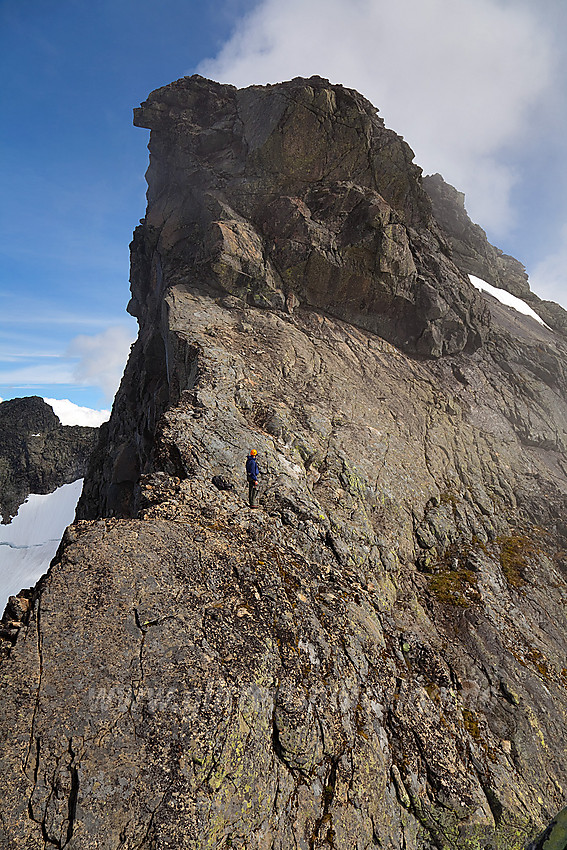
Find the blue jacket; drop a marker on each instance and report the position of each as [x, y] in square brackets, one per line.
[252, 471]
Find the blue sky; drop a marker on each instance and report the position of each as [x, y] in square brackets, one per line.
[478, 89]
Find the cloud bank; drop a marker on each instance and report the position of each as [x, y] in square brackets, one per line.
[73, 414]
[36, 375]
[95, 361]
[101, 358]
[460, 80]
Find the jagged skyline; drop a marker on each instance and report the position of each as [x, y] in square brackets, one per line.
[73, 164]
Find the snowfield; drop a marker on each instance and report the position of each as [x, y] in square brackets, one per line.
[30, 541]
[506, 298]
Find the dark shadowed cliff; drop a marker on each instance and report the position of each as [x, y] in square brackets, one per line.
[376, 657]
[38, 453]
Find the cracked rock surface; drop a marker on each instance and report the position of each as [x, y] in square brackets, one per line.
[375, 658]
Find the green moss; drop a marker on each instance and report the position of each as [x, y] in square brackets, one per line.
[539, 661]
[455, 587]
[555, 834]
[515, 554]
[532, 657]
[351, 481]
[446, 829]
[471, 724]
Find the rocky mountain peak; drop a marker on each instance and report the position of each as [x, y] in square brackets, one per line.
[375, 656]
[38, 453]
[473, 253]
[297, 194]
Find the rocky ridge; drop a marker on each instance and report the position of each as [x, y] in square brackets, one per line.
[473, 253]
[376, 657]
[38, 453]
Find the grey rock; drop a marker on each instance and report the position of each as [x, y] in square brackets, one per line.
[374, 657]
[473, 253]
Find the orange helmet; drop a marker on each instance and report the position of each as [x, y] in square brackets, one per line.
[253, 452]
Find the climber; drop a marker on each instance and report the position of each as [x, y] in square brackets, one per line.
[252, 473]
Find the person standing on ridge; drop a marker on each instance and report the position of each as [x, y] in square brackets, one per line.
[252, 474]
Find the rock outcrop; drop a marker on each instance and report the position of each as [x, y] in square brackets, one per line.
[375, 657]
[473, 253]
[38, 453]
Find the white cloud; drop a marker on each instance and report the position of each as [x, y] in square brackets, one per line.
[32, 311]
[459, 80]
[72, 414]
[96, 361]
[101, 358]
[16, 357]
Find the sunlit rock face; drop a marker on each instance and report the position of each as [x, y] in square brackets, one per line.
[298, 193]
[376, 656]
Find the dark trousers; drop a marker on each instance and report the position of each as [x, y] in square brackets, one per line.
[252, 493]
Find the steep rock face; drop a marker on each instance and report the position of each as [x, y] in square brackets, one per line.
[260, 208]
[283, 196]
[37, 453]
[473, 253]
[375, 657]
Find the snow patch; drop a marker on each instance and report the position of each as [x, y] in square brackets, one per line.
[29, 543]
[506, 298]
